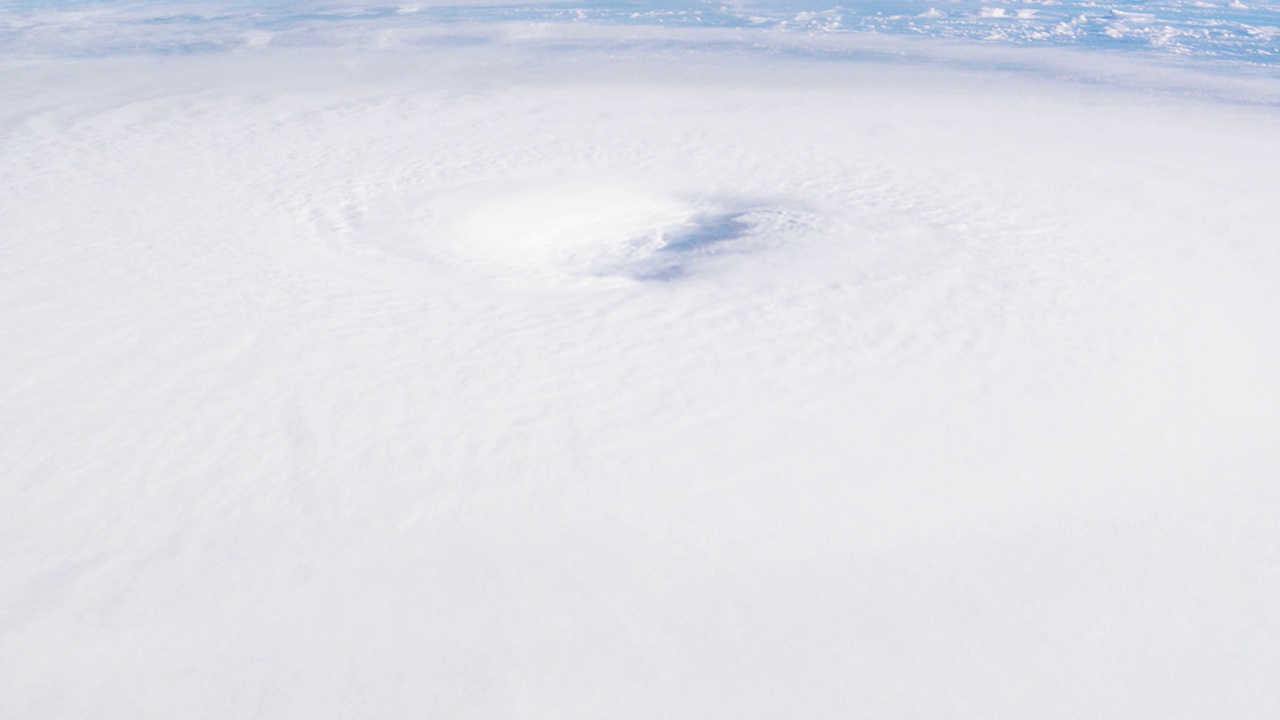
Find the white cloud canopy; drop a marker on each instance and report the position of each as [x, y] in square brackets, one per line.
[636, 360]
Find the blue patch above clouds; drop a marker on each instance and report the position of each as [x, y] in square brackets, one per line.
[1239, 31]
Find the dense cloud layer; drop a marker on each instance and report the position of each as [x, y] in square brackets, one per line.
[555, 369]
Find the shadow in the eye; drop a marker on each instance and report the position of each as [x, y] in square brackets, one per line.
[685, 245]
[707, 231]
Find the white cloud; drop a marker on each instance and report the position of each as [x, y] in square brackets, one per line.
[396, 366]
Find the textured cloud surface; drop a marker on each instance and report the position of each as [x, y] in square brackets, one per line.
[380, 362]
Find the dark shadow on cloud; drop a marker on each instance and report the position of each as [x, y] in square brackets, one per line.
[705, 235]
